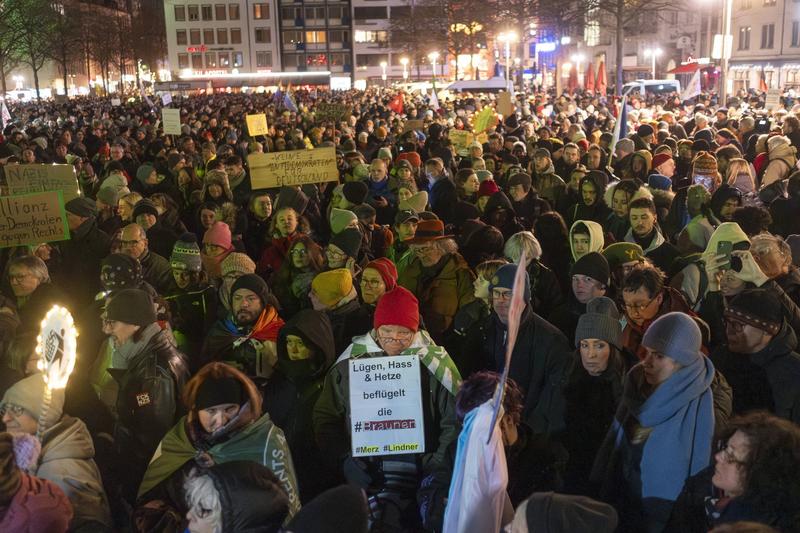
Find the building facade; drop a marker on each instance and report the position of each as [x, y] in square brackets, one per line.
[316, 35]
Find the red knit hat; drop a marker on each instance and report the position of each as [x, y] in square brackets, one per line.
[488, 188]
[386, 269]
[397, 307]
[411, 157]
[660, 159]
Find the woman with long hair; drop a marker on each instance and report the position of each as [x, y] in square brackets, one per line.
[292, 282]
[740, 175]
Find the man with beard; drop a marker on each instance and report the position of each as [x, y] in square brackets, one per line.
[246, 338]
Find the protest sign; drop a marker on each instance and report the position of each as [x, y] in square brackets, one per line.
[504, 105]
[461, 138]
[257, 124]
[773, 99]
[166, 98]
[485, 119]
[172, 121]
[26, 179]
[116, 102]
[32, 219]
[414, 125]
[331, 112]
[294, 167]
[386, 406]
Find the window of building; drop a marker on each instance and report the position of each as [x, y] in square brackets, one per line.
[796, 33]
[224, 60]
[238, 60]
[335, 12]
[208, 36]
[363, 13]
[194, 37]
[263, 59]
[291, 13]
[260, 11]
[236, 36]
[220, 11]
[293, 60]
[315, 13]
[767, 35]
[403, 11]
[207, 12]
[183, 61]
[380, 36]
[292, 37]
[197, 61]
[222, 36]
[315, 37]
[211, 59]
[263, 35]
[339, 36]
[316, 60]
[371, 60]
[181, 36]
[194, 12]
[744, 37]
[233, 11]
[180, 13]
[339, 59]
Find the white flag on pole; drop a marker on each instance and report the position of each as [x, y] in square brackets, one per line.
[693, 87]
[434, 101]
[5, 116]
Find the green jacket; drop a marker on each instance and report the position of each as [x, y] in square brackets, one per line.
[261, 442]
[439, 384]
[441, 294]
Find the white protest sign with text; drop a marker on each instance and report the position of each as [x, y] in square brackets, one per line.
[172, 121]
[26, 179]
[386, 406]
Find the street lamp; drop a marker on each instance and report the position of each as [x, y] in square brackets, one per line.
[383, 72]
[653, 53]
[433, 56]
[404, 62]
[507, 38]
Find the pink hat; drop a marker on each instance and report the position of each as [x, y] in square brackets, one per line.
[219, 234]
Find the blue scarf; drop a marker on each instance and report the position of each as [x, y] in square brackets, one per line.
[680, 413]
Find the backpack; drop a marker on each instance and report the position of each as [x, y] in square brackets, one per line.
[676, 276]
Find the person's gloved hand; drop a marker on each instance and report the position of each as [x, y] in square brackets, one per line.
[750, 270]
[355, 472]
[713, 263]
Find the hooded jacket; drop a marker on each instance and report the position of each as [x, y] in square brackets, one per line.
[67, 460]
[596, 239]
[551, 187]
[598, 211]
[782, 161]
[498, 201]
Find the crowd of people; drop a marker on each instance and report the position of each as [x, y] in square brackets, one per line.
[654, 383]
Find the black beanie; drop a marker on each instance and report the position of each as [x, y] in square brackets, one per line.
[520, 179]
[349, 241]
[82, 207]
[217, 391]
[355, 192]
[252, 282]
[131, 306]
[645, 130]
[120, 271]
[593, 265]
[759, 308]
[144, 207]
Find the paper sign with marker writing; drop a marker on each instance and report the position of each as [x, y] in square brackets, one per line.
[32, 219]
[26, 179]
[414, 125]
[386, 406]
[172, 121]
[461, 138]
[116, 102]
[257, 124]
[294, 167]
[166, 98]
[504, 105]
[773, 99]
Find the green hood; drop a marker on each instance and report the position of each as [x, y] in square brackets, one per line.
[596, 239]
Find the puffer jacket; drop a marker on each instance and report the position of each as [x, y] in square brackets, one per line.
[551, 187]
[782, 161]
[440, 295]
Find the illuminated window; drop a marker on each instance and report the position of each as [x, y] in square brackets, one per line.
[238, 60]
[379, 37]
[233, 11]
[224, 60]
[292, 37]
[315, 37]
[211, 59]
[260, 11]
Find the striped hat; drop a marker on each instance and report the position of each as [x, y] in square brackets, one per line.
[186, 254]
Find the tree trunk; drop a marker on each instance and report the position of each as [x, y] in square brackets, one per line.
[3, 78]
[64, 66]
[36, 81]
[620, 42]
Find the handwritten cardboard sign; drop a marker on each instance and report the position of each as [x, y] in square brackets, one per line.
[461, 138]
[171, 118]
[504, 104]
[294, 167]
[25, 179]
[329, 111]
[32, 219]
[414, 124]
[386, 406]
[257, 124]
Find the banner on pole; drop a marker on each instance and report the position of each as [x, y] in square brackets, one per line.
[27, 179]
[32, 219]
[386, 406]
[293, 167]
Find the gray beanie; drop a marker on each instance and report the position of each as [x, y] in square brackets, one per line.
[601, 321]
[677, 336]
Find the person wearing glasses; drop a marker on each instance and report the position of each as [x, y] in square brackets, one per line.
[759, 358]
[390, 481]
[32, 293]
[645, 297]
[664, 426]
[755, 478]
[155, 268]
[292, 283]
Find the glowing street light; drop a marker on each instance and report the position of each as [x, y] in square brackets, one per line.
[653, 53]
[383, 71]
[433, 56]
[404, 62]
[507, 38]
[18, 81]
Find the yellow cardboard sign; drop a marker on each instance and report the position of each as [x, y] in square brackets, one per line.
[485, 119]
[257, 124]
[32, 219]
[294, 167]
[504, 105]
[26, 179]
[461, 138]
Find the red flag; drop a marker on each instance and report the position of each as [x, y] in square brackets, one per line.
[762, 82]
[602, 81]
[588, 78]
[572, 84]
[396, 104]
